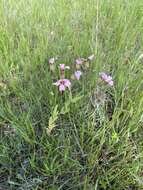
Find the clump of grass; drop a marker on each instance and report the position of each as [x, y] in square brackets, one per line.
[94, 138]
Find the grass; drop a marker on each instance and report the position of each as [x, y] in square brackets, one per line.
[90, 139]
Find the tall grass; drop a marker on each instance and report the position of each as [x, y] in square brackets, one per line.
[96, 136]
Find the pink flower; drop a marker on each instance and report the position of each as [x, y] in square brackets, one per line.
[107, 78]
[77, 74]
[63, 84]
[63, 67]
[79, 61]
[111, 83]
[91, 57]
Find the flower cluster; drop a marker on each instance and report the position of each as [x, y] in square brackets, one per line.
[107, 78]
[80, 63]
[63, 83]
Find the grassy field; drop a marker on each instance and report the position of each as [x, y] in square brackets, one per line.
[91, 136]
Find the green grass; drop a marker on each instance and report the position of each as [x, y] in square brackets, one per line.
[90, 147]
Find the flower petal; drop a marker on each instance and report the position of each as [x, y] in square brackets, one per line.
[67, 83]
[106, 78]
[140, 57]
[62, 66]
[111, 83]
[67, 67]
[79, 61]
[91, 57]
[57, 83]
[52, 60]
[61, 87]
[77, 74]
[103, 76]
[109, 78]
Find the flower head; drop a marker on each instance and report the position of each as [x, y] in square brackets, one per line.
[79, 61]
[77, 74]
[63, 67]
[52, 60]
[107, 78]
[63, 84]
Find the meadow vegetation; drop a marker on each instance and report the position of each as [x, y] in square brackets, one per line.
[87, 137]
